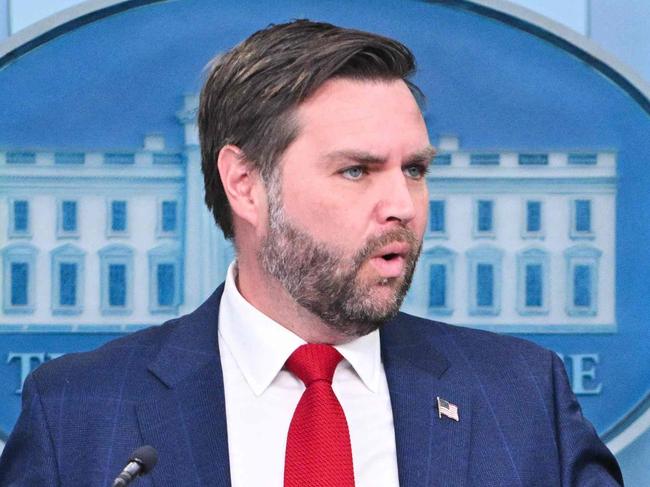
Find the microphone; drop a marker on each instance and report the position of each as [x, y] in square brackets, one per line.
[141, 462]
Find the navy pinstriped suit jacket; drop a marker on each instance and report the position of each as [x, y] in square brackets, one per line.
[520, 424]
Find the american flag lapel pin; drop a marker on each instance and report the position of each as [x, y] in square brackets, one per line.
[445, 408]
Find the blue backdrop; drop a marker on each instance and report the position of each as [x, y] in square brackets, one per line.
[107, 80]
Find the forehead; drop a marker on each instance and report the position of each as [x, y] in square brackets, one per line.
[346, 114]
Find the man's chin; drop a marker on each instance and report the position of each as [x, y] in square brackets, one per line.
[380, 304]
[367, 323]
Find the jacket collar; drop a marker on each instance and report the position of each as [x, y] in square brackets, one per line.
[186, 421]
[190, 343]
[431, 449]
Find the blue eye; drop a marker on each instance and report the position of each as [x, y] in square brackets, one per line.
[353, 172]
[415, 171]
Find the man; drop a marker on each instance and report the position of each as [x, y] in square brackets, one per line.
[314, 156]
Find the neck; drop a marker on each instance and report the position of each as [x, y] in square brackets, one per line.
[266, 294]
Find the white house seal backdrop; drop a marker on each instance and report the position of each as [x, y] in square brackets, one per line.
[539, 196]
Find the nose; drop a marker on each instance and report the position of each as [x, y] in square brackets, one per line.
[396, 203]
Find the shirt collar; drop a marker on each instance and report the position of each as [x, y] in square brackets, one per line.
[261, 346]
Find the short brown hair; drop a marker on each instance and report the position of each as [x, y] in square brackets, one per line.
[252, 91]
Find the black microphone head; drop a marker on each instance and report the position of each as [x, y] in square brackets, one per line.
[146, 456]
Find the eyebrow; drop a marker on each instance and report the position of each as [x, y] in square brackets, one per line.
[422, 156]
[362, 157]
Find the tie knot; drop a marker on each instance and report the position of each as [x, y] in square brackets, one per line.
[314, 361]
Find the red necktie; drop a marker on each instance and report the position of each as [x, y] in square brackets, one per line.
[318, 445]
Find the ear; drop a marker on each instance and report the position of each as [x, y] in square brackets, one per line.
[242, 184]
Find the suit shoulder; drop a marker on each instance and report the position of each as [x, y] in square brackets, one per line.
[137, 348]
[478, 345]
[127, 360]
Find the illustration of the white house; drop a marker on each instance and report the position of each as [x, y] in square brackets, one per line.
[117, 239]
[519, 241]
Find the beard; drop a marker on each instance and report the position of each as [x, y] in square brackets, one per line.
[322, 280]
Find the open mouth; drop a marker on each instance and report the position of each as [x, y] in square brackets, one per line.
[393, 251]
[390, 256]
[391, 262]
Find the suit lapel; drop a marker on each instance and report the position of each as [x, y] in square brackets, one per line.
[431, 451]
[186, 419]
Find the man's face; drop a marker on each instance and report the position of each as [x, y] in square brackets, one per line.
[347, 209]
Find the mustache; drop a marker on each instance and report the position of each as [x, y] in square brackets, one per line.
[396, 235]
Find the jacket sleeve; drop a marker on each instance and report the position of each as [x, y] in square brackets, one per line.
[28, 458]
[585, 460]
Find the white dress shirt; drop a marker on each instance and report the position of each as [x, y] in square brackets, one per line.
[261, 397]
